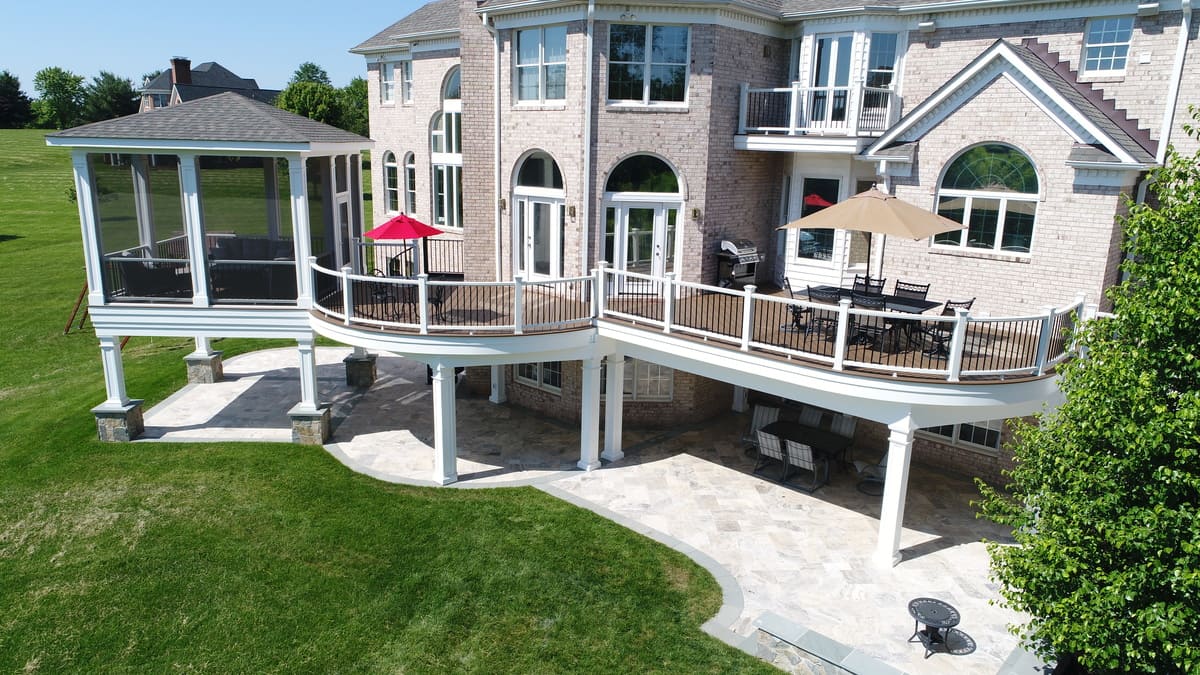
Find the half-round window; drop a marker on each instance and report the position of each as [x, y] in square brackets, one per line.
[993, 190]
[452, 90]
[541, 171]
[643, 173]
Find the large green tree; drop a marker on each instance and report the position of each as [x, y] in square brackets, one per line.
[60, 97]
[310, 72]
[15, 111]
[354, 107]
[1105, 494]
[109, 96]
[320, 102]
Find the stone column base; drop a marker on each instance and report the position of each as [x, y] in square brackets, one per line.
[310, 426]
[119, 423]
[360, 371]
[204, 368]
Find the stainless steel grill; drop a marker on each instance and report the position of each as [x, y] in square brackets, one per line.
[737, 263]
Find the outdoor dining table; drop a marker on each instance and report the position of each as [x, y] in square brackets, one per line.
[894, 303]
[824, 441]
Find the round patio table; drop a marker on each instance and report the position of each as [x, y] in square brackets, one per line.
[937, 616]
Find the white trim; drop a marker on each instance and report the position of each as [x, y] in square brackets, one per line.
[998, 60]
[173, 146]
[648, 63]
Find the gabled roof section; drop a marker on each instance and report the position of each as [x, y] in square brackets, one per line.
[1088, 123]
[207, 74]
[192, 92]
[439, 16]
[228, 117]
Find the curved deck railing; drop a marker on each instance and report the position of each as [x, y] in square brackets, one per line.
[952, 348]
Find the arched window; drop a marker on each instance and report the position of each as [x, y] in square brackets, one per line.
[410, 183]
[452, 89]
[539, 213]
[642, 202]
[445, 144]
[391, 183]
[993, 190]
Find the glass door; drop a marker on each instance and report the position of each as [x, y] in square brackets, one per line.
[830, 80]
[641, 238]
[538, 233]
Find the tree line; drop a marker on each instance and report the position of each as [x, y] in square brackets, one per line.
[65, 99]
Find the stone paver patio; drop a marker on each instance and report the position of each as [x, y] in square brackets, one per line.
[803, 557]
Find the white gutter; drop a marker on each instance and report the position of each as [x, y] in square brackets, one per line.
[499, 217]
[1164, 134]
[586, 205]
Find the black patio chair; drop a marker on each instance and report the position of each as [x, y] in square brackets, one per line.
[905, 289]
[865, 284]
[801, 456]
[942, 332]
[799, 313]
[867, 330]
[827, 318]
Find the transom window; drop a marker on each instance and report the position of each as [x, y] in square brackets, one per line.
[642, 173]
[975, 435]
[1106, 46]
[546, 375]
[647, 64]
[391, 183]
[993, 190]
[542, 64]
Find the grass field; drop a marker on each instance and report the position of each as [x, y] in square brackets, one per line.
[270, 557]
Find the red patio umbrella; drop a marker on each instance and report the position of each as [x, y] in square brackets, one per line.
[403, 228]
[816, 200]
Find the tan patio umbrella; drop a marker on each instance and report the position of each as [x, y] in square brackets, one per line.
[880, 213]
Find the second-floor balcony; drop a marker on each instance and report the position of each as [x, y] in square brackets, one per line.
[797, 110]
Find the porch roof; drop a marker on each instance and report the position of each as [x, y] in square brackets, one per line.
[227, 121]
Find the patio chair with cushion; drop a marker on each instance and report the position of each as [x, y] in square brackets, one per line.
[826, 319]
[770, 448]
[811, 416]
[802, 456]
[760, 416]
[940, 333]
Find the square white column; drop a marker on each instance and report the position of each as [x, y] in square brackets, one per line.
[445, 440]
[614, 407]
[589, 417]
[895, 492]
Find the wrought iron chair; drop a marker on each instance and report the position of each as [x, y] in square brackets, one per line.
[802, 456]
[823, 317]
[865, 284]
[941, 332]
[799, 314]
[867, 330]
[905, 289]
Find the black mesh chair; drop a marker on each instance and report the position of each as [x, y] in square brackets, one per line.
[942, 332]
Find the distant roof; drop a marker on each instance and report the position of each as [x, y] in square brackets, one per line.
[435, 17]
[192, 92]
[226, 117]
[207, 74]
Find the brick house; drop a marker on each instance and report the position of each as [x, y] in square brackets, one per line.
[181, 82]
[758, 107]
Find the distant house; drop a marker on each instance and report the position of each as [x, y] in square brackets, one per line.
[181, 83]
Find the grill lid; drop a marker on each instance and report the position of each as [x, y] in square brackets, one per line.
[742, 250]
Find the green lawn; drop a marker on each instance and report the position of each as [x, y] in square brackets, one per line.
[269, 557]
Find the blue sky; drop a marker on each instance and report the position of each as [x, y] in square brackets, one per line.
[262, 39]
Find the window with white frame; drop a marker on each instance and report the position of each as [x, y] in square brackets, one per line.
[647, 64]
[406, 82]
[410, 183]
[1106, 45]
[541, 64]
[546, 375]
[644, 381]
[391, 183]
[445, 142]
[992, 189]
[387, 83]
[973, 435]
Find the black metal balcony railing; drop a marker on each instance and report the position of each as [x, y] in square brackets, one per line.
[951, 348]
[829, 111]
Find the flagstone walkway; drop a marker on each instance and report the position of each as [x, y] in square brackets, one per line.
[804, 558]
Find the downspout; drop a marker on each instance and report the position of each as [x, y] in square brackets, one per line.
[1185, 29]
[498, 216]
[586, 206]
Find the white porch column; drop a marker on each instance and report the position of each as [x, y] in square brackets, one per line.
[310, 419]
[308, 374]
[589, 417]
[741, 399]
[114, 373]
[143, 203]
[85, 200]
[193, 226]
[498, 395]
[204, 365]
[895, 492]
[445, 439]
[298, 191]
[614, 407]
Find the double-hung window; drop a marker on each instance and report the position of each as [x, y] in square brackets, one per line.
[546, 375]
[387, 83]
[406, 83]
[647, 64]
[1106, 46]
[410, 183]
[983, 435]
[542, 64]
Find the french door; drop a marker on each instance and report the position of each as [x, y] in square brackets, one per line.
[538, 237]
[830, 92]
[640, 238]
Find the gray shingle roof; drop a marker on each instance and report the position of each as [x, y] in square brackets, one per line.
[437, 16]
[207, 74]
[191, 92]
[228, 117]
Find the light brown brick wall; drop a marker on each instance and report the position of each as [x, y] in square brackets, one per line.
[871, 441]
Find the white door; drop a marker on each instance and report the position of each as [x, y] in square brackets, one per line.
[830, 95]
[538, 233]
[641, 238]
[341, 211]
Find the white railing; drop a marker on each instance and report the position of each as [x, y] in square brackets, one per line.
[831, 111]
[951, 348]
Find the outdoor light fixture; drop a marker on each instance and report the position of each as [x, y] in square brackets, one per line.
[503, 204]
[571, 211]
[1147, 8]
[695, 213]
[927, 26]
